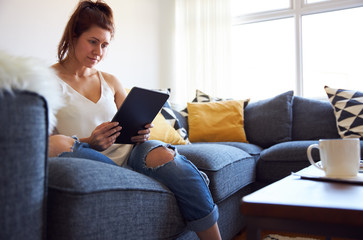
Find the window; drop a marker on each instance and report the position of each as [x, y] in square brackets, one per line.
[296, 44]
[263, 60]
[241, 7]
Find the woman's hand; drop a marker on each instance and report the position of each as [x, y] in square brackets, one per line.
[103, 136]
[143, 135]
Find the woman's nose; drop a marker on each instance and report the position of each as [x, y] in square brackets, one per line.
[97, 50]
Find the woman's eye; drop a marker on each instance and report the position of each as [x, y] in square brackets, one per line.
[104, 45]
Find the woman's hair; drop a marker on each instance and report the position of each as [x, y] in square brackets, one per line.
[87, 14]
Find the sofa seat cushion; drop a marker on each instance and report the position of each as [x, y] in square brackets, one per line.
[280, 160]
[251, 149]
[93, 200]
[228, 168]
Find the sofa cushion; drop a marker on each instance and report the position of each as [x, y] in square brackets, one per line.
[93, 200]
[348, 109]
[228, 168]
[251, 149]
[165, 132]
[269, 121]
[312, 120]
[280, 160]
[217, 121]
[172, 119]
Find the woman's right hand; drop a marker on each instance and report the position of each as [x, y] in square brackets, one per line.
[103, 136]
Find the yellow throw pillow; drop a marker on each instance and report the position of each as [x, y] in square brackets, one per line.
[164, 132]
[217, 121]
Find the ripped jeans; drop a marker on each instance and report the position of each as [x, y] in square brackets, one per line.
[183, 178]
[83, 150]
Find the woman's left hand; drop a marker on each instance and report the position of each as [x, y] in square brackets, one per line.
[143, 135]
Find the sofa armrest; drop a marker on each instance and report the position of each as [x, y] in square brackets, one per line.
[23, 168]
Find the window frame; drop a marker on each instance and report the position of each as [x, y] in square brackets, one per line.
[297, 9]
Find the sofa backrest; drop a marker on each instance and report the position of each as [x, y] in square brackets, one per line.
[313, 119]
[268, 121]
[23, 165]
[285, 118]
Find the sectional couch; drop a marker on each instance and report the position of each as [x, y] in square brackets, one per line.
[62, 198]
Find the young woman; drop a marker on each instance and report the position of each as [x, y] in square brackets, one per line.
[93, 97]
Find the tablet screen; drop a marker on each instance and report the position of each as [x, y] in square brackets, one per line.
[139, 108]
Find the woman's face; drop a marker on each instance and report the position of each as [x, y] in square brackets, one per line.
[91, 46]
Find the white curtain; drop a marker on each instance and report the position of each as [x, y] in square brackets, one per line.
[202, 48]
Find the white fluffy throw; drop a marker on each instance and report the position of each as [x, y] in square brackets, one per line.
[25, 73]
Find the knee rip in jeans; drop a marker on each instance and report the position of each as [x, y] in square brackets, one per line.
[159, 156]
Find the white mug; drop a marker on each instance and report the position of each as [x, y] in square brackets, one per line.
[339, 157]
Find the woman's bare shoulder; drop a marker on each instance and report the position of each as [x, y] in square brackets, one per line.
[109, 77]
[112, 80]
[115, 85]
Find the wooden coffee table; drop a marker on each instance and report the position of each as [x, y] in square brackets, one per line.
[305, 206]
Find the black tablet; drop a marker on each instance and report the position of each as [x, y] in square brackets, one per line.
[139, 108]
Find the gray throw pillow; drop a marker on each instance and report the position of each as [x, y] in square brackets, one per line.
[269, 121]
[313, 119]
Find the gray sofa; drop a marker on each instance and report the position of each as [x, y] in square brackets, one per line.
[61, 198]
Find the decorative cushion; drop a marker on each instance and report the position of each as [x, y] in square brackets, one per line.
[313, 119]
[269, 121]
[170, 117]
[203, 97]
[348, 110]
[217, 121]
[164, 132]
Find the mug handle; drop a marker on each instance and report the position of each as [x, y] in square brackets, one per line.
[311, 160]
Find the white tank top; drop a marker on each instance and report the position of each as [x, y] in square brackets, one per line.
[80, 116]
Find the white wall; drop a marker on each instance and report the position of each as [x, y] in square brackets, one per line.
[140, 53]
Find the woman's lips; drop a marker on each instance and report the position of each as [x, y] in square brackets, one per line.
[94, 60]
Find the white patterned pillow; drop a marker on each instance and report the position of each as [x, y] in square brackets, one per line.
[171, 118]
[348, 110]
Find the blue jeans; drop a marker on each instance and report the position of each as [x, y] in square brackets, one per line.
[182, 177]
[83, 150]
[186, 182]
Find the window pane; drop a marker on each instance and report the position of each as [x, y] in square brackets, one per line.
[263, 59]
[332, 51]
[240, 7]
[315, 1]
